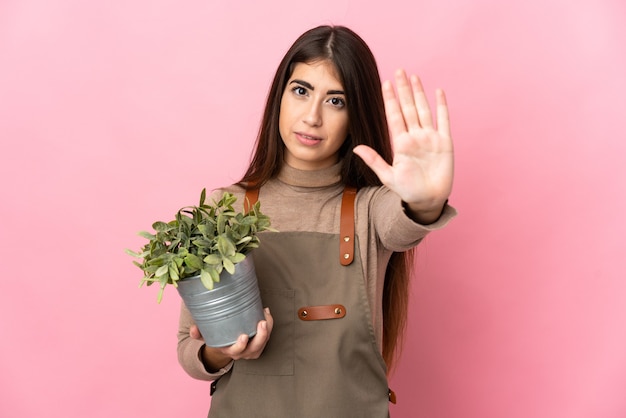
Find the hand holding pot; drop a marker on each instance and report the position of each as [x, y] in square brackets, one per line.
[215, 358]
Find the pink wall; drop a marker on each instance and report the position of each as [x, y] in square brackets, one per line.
[112, 114]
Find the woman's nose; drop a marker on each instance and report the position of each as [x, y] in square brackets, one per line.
[313, 116]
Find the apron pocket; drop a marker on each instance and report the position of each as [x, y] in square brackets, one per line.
[278, 357]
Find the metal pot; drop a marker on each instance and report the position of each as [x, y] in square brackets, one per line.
[233, 307]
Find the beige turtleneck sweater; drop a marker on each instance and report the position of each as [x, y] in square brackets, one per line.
[311, 201]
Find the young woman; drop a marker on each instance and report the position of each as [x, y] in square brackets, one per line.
[349, 211]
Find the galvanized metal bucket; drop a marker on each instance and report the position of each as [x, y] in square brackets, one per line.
[233, 307]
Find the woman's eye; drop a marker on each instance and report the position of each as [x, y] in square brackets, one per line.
[337, 102]
[299, 91]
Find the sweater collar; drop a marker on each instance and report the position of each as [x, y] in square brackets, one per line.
[310, 178]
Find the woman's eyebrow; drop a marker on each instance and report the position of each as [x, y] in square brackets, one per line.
[310, 87]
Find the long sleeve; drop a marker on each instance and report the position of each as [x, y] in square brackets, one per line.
[394, 228]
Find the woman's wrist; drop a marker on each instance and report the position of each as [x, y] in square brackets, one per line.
[213, 359]
[425, 215]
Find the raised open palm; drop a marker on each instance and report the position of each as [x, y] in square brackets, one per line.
[423, 165]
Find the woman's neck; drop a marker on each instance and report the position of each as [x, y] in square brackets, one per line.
[310, 178]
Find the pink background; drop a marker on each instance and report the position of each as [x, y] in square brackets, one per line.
[114, 114]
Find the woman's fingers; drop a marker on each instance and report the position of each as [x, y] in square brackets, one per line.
[409, 110]
[258, 342]
[395, 118]
[269, 318]
[245, 347]
[407, 101]
[421, 103]
[374, 161]
[251, 348]
[263, 331]
[443, 116]
[194, 332]
[413, 101]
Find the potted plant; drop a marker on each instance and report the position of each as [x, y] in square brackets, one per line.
[203, 253]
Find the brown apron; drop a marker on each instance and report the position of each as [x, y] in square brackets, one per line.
[322, 359]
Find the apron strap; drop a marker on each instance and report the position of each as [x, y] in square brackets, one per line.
[346, 227]
[252, 196]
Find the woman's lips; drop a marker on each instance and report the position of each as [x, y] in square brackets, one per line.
[308, 139]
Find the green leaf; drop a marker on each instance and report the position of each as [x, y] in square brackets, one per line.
[202, 196]
[212, 259]
[229, 200]
[225, 246]
[161, 226]
[245, 230]
[237, 258]
[146, 235]
[160, 295]
[230, 213]
[206, 279]
[204, 229]
[221, 223]
[161, 271]
[249, 220]
[173, 271]
[193, 261]
[202, 243]
[251, 245]
[229, 266]
[244, 240]
[150, 270]
[132, 253]
[214, 274]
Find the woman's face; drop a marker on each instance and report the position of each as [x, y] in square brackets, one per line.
[313, 120]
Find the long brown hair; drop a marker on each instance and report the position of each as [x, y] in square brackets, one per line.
[358, 73]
